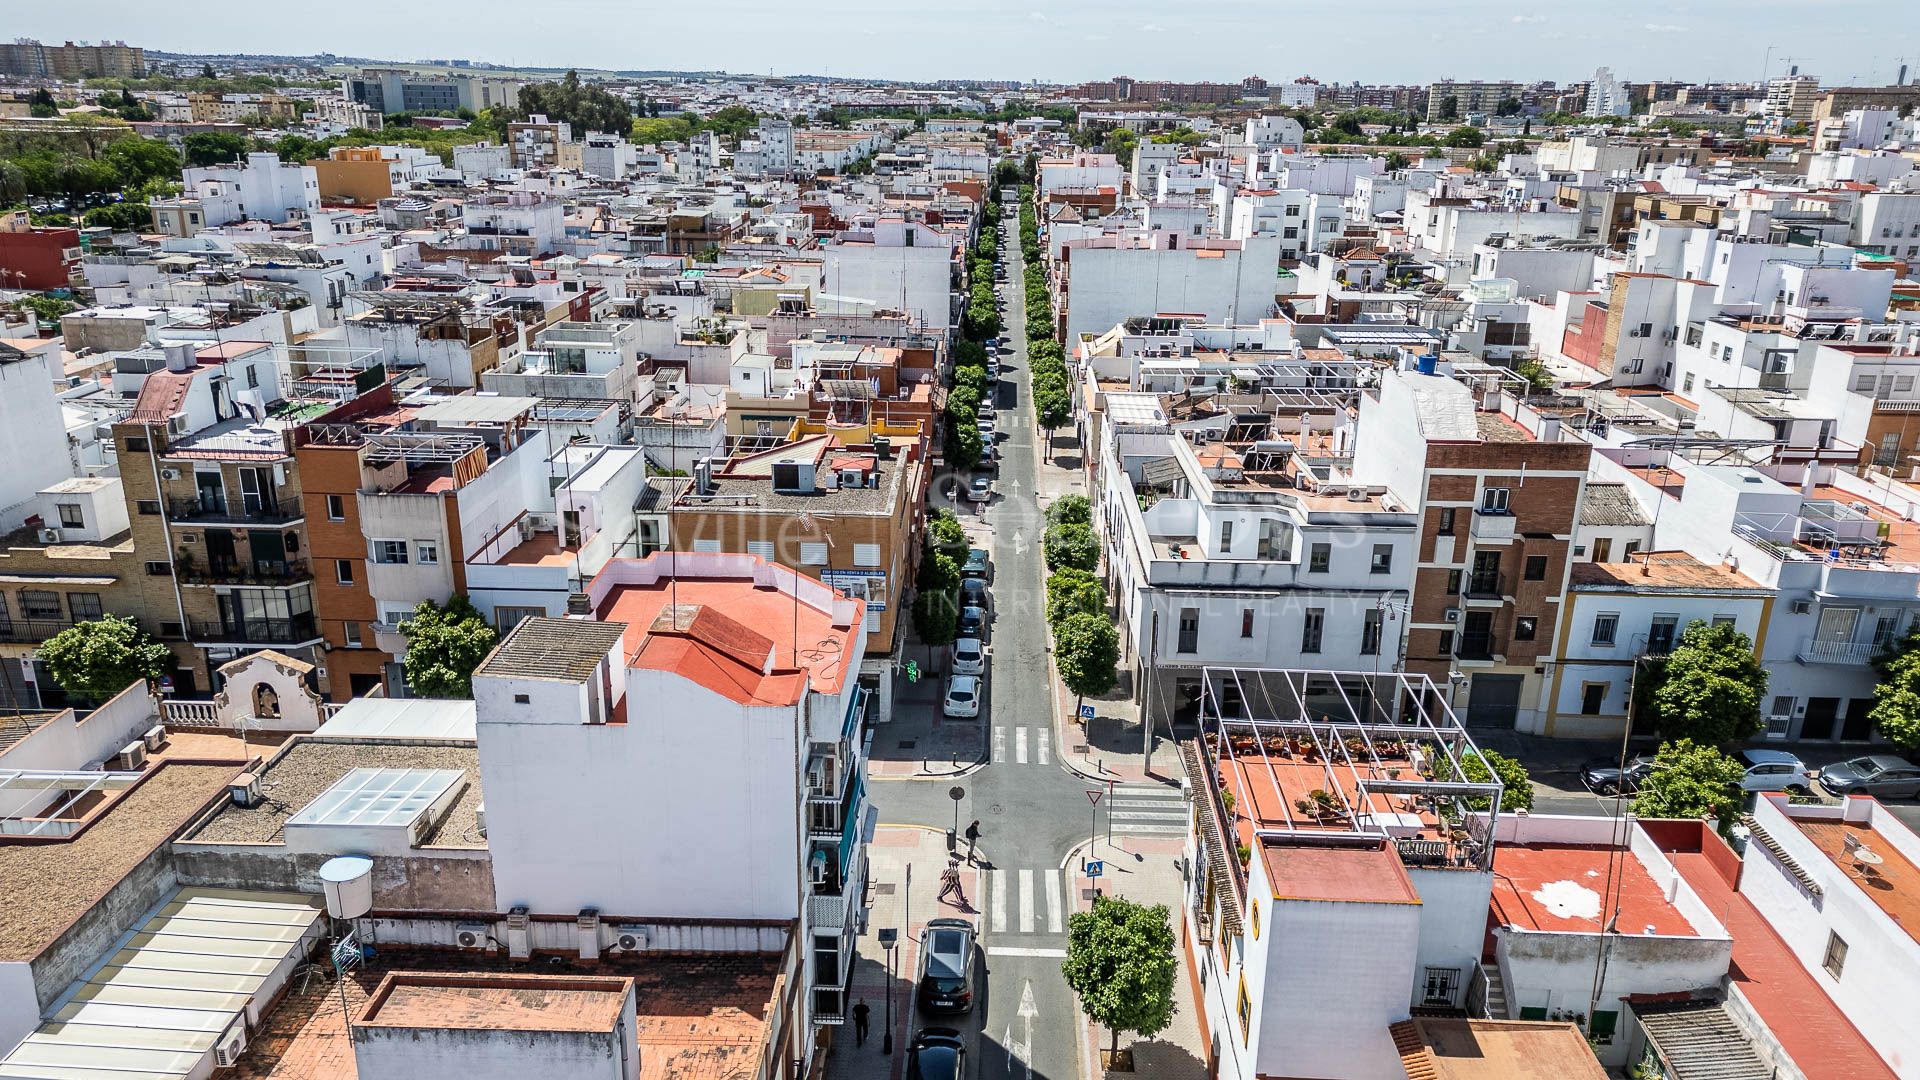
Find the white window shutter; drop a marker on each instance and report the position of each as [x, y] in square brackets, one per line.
[710, 547]
[866, 554]
[813, 554]
[762, 548]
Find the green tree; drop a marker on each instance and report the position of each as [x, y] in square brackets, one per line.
[1896, 700]
[1464, 136]
[1483, 765]
[40, 104]
[1120, 963]
[587, 108]
[213, 147]
[444, 646]
[121, 216]
[1071, 544]
[945, 534]
[1450, 107]
[1072, 591]
[1397, 161]
[1052, 405]
[1070, 510]
[1691, 780]
[1086, 649]
[99, 658]
[1710, 688]
[139, 160]
[935, 614]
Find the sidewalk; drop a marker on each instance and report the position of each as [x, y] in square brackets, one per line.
[895, 849]
[920, 743]
[1142, 870]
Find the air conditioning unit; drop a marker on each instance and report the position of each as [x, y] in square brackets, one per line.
[49, 536]
[233, 1043]
[1802, 607]
[131, 758]
[471, 935]
[1453, 614]
[155, 738]
[169, 474]
[244, 790]
[629, 939]
[178, 425]
[1358, 495]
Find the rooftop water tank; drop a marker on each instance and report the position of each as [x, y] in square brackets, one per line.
[348, 882]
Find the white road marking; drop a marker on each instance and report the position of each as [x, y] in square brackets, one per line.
[1045, 747]
[1020, 746]
[1151, 815]
[999, 904]
[1052, 883]
[1026, 901]
[1015, 950]
[999, 743]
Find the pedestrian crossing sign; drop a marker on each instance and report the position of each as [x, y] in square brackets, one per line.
[1096, 868]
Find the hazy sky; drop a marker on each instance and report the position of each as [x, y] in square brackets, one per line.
[1842, 41]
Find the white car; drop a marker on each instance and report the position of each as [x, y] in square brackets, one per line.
[969, 657]
[963, 696]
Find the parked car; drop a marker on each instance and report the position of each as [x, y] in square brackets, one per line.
[980, 490]
[973, 592]
[1609, 780]
[937, 1054]
[946, 966]
[969, 657]
[963, 696]
[1881, 775]
[973, 623]
[1773, 770]
[977, 563]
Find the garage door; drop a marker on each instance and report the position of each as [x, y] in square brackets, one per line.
[1493, 701]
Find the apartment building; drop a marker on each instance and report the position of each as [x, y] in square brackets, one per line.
[1498, 506]
[574, 361]
[392, 90]
[72, 559]
[516, 223]
[37, 257]
[1448, 100]
[1103, 280]
[262, 189]
[698, 673]
[29, 59]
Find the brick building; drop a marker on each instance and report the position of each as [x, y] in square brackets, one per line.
[34, 257]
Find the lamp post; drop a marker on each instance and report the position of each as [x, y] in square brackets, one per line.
[888, 938]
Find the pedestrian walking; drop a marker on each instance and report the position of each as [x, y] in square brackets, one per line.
[950, 881]
[860, 1014]
[973, 839]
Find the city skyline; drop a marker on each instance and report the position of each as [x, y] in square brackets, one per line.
[1071, 42]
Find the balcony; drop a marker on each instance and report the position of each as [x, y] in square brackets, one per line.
[219, 512]
[1815, 651]
[1492, 528]
[301, 630]
[1486, 586]
[31, 631]
[1476, 646]
[270, 574]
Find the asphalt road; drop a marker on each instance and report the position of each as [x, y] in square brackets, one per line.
[1032, 811]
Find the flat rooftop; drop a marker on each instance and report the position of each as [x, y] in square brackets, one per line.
[1559, 887]
[1339, 873]
[697, 1017]
[1661, 570]
[497, 1002]
[1893, 884]
[1436, 1048]
[307, 767]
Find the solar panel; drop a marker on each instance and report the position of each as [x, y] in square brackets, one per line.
[378, 797]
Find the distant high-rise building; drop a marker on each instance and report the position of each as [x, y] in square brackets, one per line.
[1449, 100]
[1790, 100]
[390, 90]
[1607, 96]
[29, 59]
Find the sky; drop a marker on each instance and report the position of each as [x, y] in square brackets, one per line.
[1845, 42]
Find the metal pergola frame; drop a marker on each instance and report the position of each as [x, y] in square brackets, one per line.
[78, 784]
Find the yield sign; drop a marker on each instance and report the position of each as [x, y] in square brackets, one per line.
[1094, 797]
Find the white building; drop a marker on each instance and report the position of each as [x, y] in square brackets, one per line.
[1107, 279]
[1275, 132]
[609, 157]
[264, 189]
[33, 439]
[894, 263]
[1607, 96]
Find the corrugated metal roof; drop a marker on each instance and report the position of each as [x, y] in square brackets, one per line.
[561, 649]
[1702, 1042]
[1610, 504]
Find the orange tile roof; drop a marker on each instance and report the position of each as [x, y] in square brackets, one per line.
[161, 396]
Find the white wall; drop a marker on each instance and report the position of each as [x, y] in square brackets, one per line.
[33, 440]
[1109, 285]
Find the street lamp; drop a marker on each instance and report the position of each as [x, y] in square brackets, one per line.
[889, 937]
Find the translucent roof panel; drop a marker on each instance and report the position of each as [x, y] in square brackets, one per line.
[378, 797]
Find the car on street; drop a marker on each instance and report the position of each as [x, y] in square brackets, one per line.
[937, 1054]
[973, 623]
[946, 965]
[986, 411]
[1881, 775]
[1773, 770]
[977, 563]
[1607, 779]
[980, 489]
[969, 657]
[963, 697]
[973, 592]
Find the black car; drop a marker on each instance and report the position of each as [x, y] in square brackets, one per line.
[973, 623]
[973, 592]
[936, 1054]
[946, 966]
[1608, 779]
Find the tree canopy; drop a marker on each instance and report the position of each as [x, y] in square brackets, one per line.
[1691, 780]
[1482, 765]
[1710, 687]
[1070, 510]
[584, 106]
[1120, 963]
[213, 147]
[1071, 544]
[444, 646]
[101, 657]
[1086, 648]
[1896, 699]
[1073, 592]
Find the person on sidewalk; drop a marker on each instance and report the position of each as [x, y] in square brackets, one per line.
[860, 1014]
[950, 881]
[973, 839]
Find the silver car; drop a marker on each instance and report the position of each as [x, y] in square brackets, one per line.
[1881, 775]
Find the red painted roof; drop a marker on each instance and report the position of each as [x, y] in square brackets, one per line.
[1812, 1029]
[1370, 874]
[1529, 878]
[161, 396]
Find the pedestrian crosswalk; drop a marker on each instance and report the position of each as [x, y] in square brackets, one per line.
[1027, 900]
[1029, 746]
[1147, 810]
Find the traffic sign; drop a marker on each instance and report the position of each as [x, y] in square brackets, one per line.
[888, 935]
[913, 671]
[1095, 868]
[956, 793]
[1094, 797]
[1086, 712]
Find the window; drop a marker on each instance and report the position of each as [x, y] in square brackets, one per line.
[1226, 537]
[1453, 583]
[1442, 988]
[1836, 959]
[1382, 559]
[35, 604]
[1443, 643]
[83, 606]
[1606, 628]
[159, 569]
[147, 506]
[343, 571]
[1244, 1007]
[1686, 385]
[1863, 382]
[1494, 500]
[350, 633]
[1318, 558]
[426, 553]
[1253, 919]
[390, 551]
[336, 508]
[1660, 634]
[135, 444]
[1189, 640]
[1536, 568]
[1246, 622]
[1370, 633]
[1593, 696]
[812, 554]
[395, 614]
[1604, 1023]
[506, 618]
[866, 554]
[1602, 548]
[253, 377]
[1525, 626]
[71, 516]
[1311, 627]
[761, 548]
[1446, 521]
